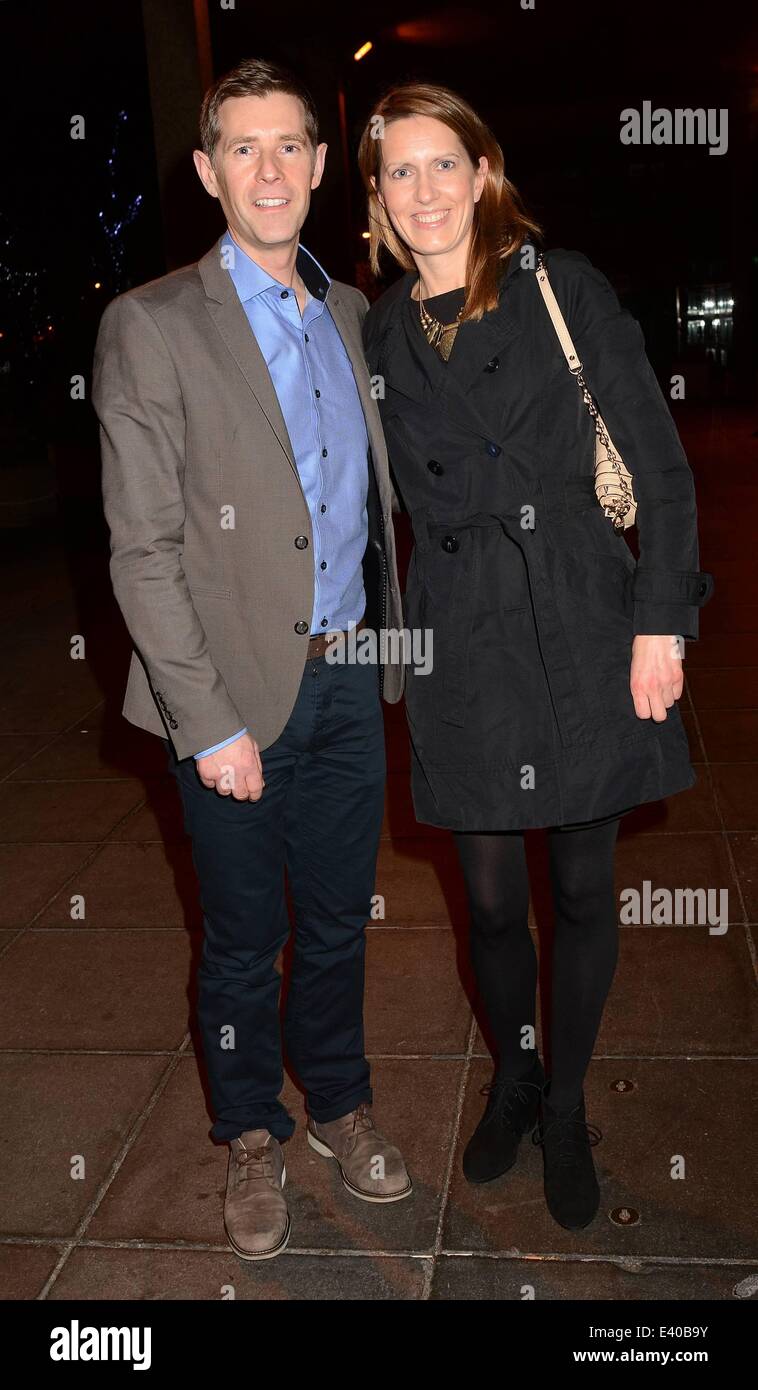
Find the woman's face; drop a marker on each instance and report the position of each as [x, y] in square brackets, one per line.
[428, 185]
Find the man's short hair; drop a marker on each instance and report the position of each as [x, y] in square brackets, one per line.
[253, 77]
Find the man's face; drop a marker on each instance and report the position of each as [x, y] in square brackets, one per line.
[263, 169]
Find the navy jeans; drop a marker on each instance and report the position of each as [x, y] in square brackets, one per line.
[320, 816]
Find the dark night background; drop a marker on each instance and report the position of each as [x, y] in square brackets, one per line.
[124, 204]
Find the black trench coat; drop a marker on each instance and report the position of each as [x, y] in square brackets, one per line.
[526, 718]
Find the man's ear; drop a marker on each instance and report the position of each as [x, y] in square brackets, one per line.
[205, 172]
[318, 165]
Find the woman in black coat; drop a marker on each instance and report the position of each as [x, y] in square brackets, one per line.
[551, 701]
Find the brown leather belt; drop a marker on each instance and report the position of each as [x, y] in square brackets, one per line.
[317, 645]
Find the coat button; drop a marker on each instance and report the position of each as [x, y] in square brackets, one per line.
[435, 467]
[493, 364]
[301, 542]
[301, 626]
[493, 449]
[450, 544]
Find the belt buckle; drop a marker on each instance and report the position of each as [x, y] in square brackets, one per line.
[327, 639]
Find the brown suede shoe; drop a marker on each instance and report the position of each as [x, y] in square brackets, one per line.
[256, 1218]
[371, 1168]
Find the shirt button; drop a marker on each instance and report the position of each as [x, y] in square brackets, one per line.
[285, 294]
[324, 453]
[493, 449]
[307, 339]
[703, 586]
[435, 467]
[493, 364]
[301, 626]
[301, 542]
[324, 622]
[323, 564]
[318, 393]
[450, 544]
[323, 506]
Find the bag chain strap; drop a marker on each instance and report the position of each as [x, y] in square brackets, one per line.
[617, 508]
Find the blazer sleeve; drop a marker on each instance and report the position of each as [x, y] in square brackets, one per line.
[669, 588]
[138, 401]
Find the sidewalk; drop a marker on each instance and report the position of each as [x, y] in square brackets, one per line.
[98, 1069]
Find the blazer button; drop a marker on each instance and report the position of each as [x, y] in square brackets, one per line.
[435, 467]
[493, 449]
[450, 544]
[301, 627]
[493, 364]
[301, 542]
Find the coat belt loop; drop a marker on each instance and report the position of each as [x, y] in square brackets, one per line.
[554, 496]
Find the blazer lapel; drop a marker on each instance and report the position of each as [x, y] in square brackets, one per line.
[225, 309]
[230, 318]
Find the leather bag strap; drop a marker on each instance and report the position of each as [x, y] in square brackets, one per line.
[559, 323]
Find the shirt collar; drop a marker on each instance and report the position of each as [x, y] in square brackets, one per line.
[250, 278]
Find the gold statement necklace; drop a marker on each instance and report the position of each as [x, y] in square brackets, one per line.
[439, 335]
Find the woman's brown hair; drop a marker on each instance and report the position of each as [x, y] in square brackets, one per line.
[500, 224]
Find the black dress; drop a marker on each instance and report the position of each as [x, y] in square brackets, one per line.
[532, 600]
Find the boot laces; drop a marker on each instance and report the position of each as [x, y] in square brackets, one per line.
[504, 1093]
[570, 1144]
[255, 1163]
[362, 1120]
[362, 1123]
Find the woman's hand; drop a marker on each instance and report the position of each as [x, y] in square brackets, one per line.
[656, 679]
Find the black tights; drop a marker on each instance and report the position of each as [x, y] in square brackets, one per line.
[585, 944]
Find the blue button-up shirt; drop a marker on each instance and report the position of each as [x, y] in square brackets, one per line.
[314, 382]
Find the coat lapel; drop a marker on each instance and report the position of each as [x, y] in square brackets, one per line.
[475, 346]
[477, 343]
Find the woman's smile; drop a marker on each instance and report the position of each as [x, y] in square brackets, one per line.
[430, 219]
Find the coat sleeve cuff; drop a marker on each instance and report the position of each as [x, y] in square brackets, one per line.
[669, 601]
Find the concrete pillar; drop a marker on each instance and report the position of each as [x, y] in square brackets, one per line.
[180, 68]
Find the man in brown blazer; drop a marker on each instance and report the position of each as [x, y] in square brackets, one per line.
[247, 491]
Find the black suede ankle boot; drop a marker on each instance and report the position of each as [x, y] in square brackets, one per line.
[511, 1111]
[571, 1187]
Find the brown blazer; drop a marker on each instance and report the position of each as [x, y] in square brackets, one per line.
[204, 502]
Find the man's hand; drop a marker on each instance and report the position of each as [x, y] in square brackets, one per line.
[656, 679]
[235, 770]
